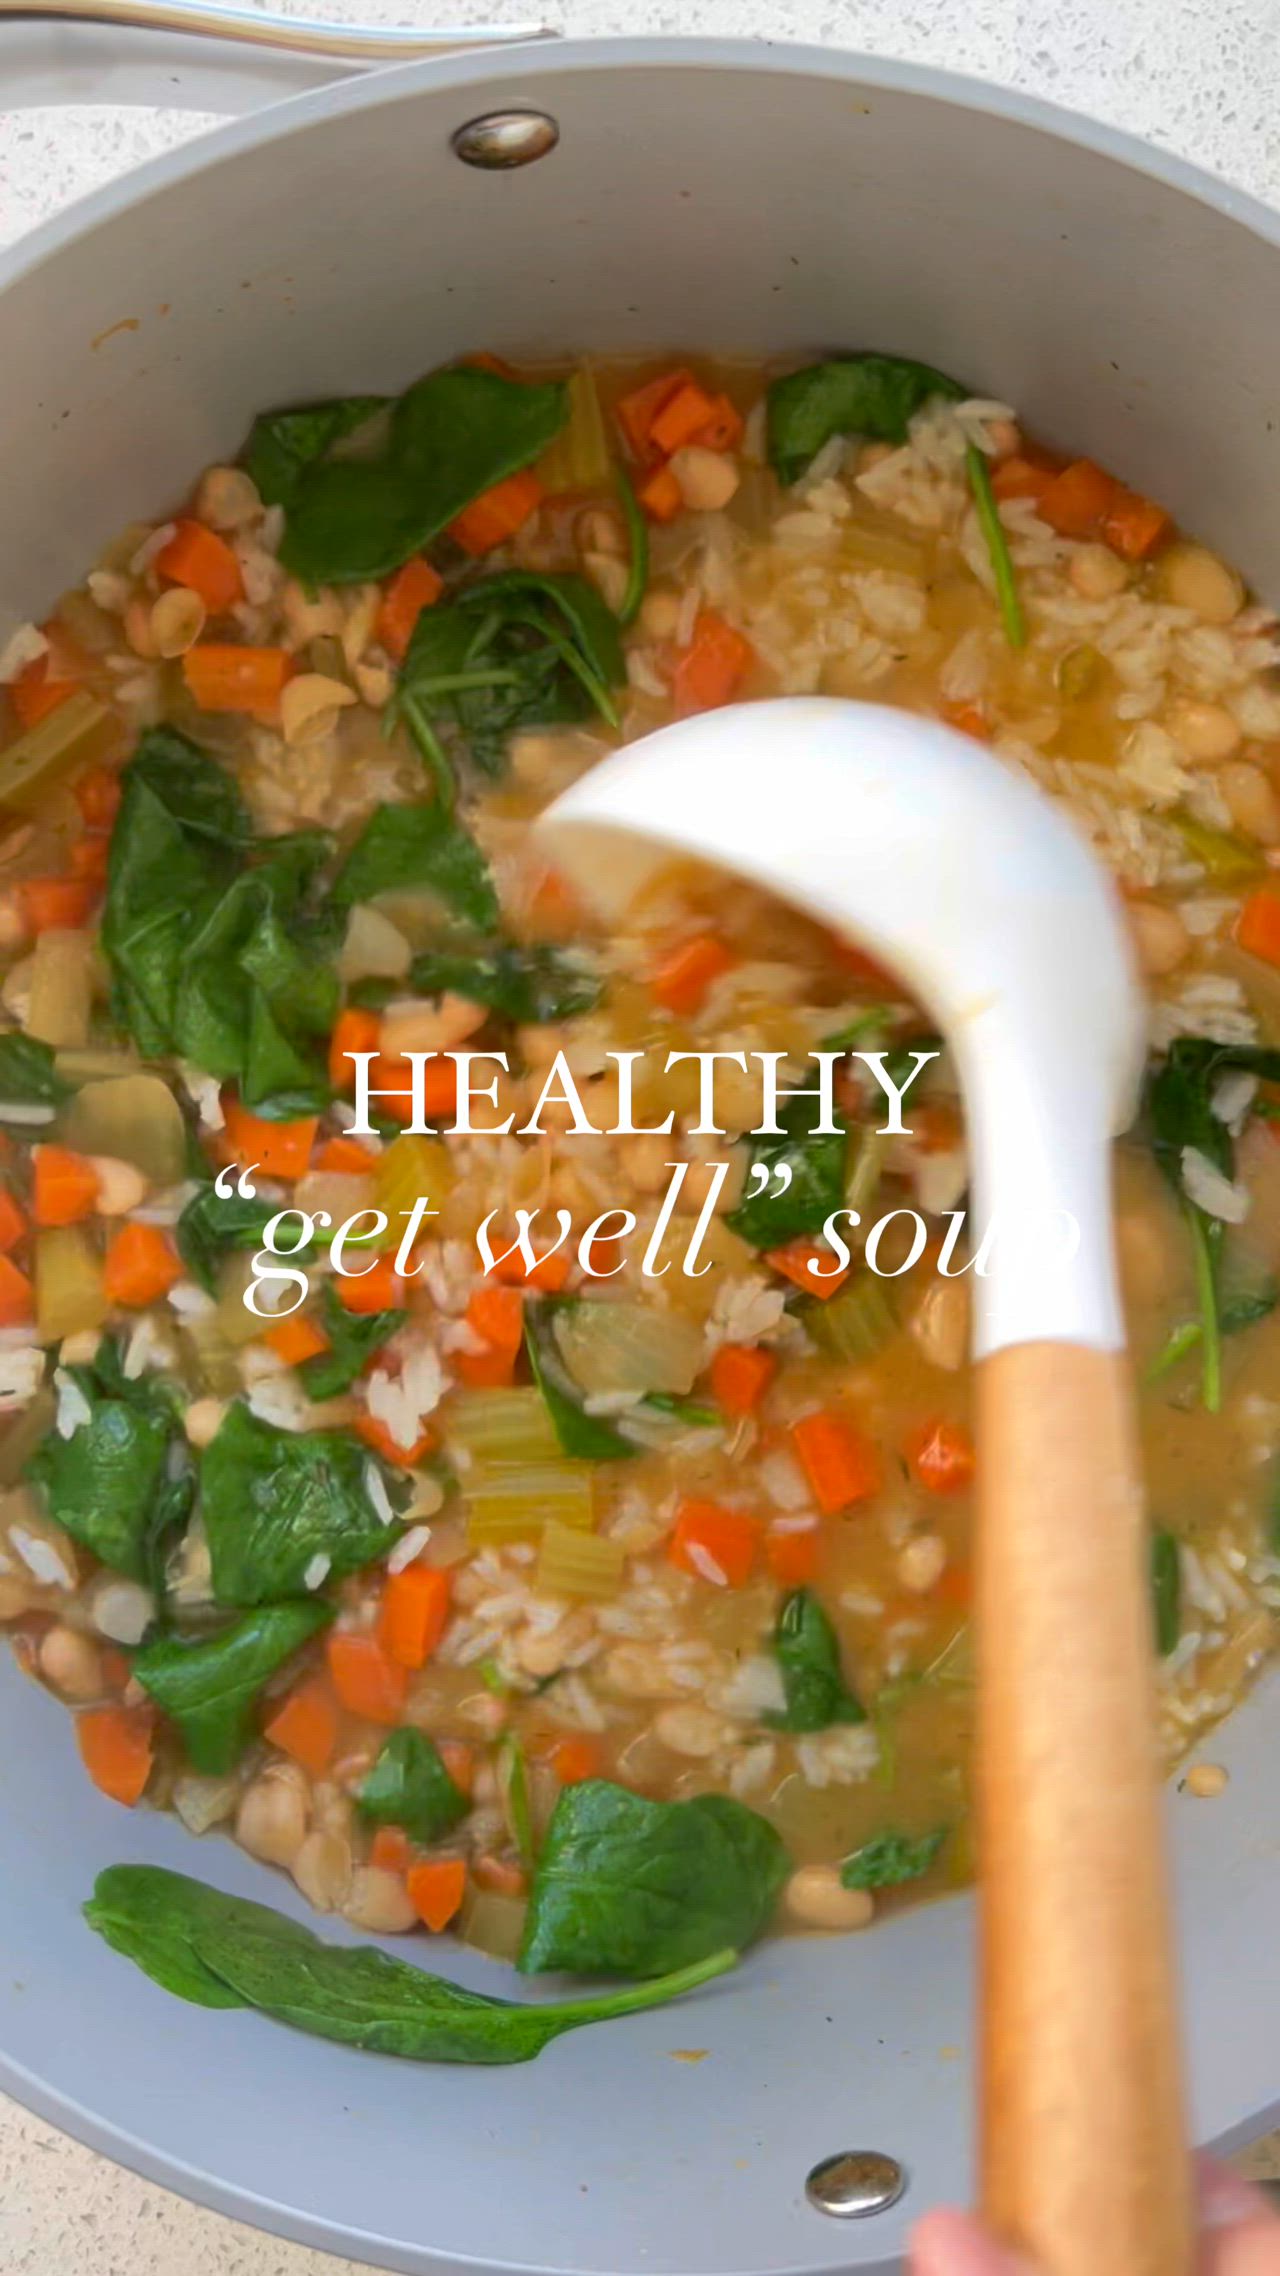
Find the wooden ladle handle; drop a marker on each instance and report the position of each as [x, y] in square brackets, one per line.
[1083, 2142]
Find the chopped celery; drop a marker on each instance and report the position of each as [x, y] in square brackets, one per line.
[1225, 859]
[235, 1323]
[579, 457]
[411, 1169]
[69, 1290]
[571, 1563]
[857, 1323]
[504, 1429]
[513, 1793]
[866, 1166]
[80, 733]
[492, 1923]
[514, 1505]
[215, 1360]
[61, 995]
[136, 1118]
[610, 1347]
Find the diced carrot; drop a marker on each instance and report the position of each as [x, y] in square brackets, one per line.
[391, 1850]
[724, 429]
[970, 718]
[64, 1186]
[366, 1681]
[55, 904]
[792, 1557]
[374, 1434]
[223, 677]
[496, 1314]
[393, 1078]
[141, 1266]
[1134, 526]
[34, 694]
[346, 1157]
[712, 667]
[296, 1340]
[793, 1262]
[1077, 500]
[661, 496]
[89, 857]
[839, 1461]
[198, 558]
[436, 1889]
[497, 514]
[1021, 477]
[460, 1762]
[278, 1149]
[116, 1750]
[502, 1874]
[637, 411]
[413, 1613]
[955, 1586]
[305, 1725]
[680, 418]
[553, 906]
[13, 1224]
[935, 1125]
[1257, 928]
[717, 1544]
[740, 1375]
[575, 1756]
[376, 1287]
[17, 1296]
[483, 361]
[941, 1457]
[549, 1271]
[353, 1030]
[412, 589]
[687, 971]
[116, 1670]
[97, 794]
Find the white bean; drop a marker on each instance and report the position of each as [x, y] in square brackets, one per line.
[177, 621]
[608, 575]
[121, 1187]
[1160, 937]
[322, 1870]
[379, 1901]
[1193, 578]
[708, 479]
[922, 1563]
[429, 1026]
[1206, 731]
[71, 1663]
[1252, 802]
[691, 1730]
[271, 1822]
[203, 1420]
[939, 1325]
[815, 1897]
[1097, 574]
[659, 614]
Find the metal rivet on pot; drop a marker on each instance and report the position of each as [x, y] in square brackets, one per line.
[506, 138]
[855, 2183]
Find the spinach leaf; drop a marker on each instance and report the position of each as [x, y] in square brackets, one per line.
[210, 1687]
[448, 437]
[28, 1076]
[515, 650]
[889, 1859]
[228, 1952]
[108, 1483]
[274, 1500]
[691, 1414]
[212, 1225]
[1166, 1591]
[817, 1165]
[283, 445]
[258, 994]
[513, 1792]
[409, 1787]
[808, 1656]
[526, 985]
[353, 1339]
[869, 395]
[1234, 1314]
[626, 1886]
[997, 544]
[584, 1437]
[1179, 1114]
[638, 545]
[402, 848]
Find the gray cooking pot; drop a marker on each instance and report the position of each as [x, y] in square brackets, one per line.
[703, 193]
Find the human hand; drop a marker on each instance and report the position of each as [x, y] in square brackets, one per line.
[1239, 2235]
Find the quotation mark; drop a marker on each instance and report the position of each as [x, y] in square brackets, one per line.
[241, 1183]
[763, 1176]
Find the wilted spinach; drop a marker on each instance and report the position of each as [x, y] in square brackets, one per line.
[1166, 1591]
[409, 848]
[275, 1500]
[816, 1189]
[210, 1686]
[870, 395]
[119, 1483]
[353, 1339]
[409, 1787]
[527, 985]
[584, 1437]
[28, 1076]
[889, 1859]
[212, 1225]
[808, 1655]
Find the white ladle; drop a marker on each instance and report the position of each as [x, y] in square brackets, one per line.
[925, 850]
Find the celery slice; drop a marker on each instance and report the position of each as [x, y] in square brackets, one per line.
[571, 1563]
[579, 457]
[514, 1505]
[69, 1291]
[61, 996]
[1225, 859]
[857, 1323]
[411, 1169]
[80, 733]
[504, 1430]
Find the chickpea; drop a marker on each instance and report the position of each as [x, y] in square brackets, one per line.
[1251, 801]
[203, 1420]
[1195, 579]
[322, 1869]
[815, 1897]
[1159, 936]
[177, 621]
[708, 479]
[659, 615]
[1097, 574]
[423, 1026]
[70, 1663]
[1206, 731]
[379, 1901]
[939, 1325]
[271, 1822]
[922, 1562]
[691, 1730]
[1206, 1780]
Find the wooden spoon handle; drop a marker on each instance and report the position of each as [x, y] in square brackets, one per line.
[1083, 2144]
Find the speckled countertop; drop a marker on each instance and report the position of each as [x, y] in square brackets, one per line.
[1205, 81]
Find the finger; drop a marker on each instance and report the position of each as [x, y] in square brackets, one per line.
[1226, 2199]
[1241, 2234]
[954, 2244]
